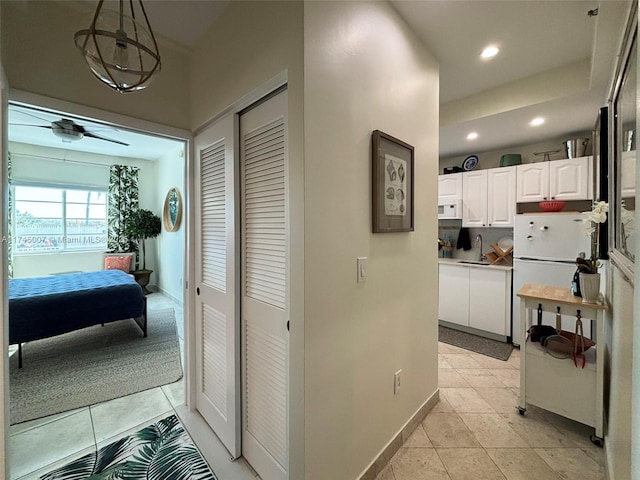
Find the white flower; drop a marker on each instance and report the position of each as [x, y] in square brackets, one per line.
[598, 213]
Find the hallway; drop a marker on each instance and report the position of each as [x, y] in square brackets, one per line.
[475, 431]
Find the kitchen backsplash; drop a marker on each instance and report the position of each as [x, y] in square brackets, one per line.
[451, 229]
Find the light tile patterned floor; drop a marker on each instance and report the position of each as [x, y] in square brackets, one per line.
[38, 446]
[476, 433]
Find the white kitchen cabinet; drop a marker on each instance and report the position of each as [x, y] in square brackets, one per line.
[501, 196]
[533, 182]
[628, 175]
[490, 300]
[475, 299]
[450, 186]
[474, 199]
[568, 179]
[453, 294]
[489, 197]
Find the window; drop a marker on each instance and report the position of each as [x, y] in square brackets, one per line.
[50, 219]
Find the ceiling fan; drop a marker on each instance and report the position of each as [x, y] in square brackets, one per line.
[68, 130]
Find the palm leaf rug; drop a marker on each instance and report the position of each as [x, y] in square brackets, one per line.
[162, 450]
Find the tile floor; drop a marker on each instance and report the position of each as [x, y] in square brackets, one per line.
[475, 431]
[38, 446]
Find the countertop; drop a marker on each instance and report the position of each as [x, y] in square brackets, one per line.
[470, 263]
[558, 294]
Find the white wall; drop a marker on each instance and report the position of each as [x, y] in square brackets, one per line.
[30, 163]
[39, 56]
[4, 317]
[170, 245]
[365, 70]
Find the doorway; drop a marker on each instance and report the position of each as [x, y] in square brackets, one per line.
[162, 255]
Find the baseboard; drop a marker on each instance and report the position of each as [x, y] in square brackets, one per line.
[156, 288]
[387, 453]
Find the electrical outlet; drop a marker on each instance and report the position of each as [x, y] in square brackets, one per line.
[396, 382]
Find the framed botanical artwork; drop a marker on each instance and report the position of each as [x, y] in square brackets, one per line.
[172, 213]
[392, 188]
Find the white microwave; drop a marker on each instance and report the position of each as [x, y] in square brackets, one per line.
[449, 209]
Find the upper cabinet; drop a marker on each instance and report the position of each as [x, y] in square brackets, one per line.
[450, 186]
[556, 180]
[489, 197]
[501, 196]
[474, 199]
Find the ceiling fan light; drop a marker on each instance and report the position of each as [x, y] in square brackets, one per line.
[120, 50]
[67, 136]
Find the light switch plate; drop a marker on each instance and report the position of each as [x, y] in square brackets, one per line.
[362, 269]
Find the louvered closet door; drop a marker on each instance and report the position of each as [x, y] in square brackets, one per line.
[217, 328]
[263, 160]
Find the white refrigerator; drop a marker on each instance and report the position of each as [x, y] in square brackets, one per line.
[545, 248]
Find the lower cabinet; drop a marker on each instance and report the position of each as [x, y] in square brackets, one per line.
[476, 297]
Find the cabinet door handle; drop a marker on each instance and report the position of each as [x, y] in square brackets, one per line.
[198, 291]
[553, 198]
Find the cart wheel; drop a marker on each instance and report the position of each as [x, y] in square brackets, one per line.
[597, 441]
[521, 410]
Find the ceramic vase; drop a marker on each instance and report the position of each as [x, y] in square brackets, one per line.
[590, 287]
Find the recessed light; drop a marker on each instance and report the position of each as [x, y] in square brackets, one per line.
[472, 136]
[536, 121]
[490, 51]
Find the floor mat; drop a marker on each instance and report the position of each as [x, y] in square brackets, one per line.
[162, 450]
[475, 343]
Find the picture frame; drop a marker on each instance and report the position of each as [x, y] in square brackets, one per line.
[392, 162]
[172, 212]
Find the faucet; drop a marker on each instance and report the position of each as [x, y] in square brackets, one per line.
[482, 256]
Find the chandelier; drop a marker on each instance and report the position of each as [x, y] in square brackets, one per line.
[120, 50]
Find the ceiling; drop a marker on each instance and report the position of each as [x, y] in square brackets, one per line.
[541, 42]
[555, 61]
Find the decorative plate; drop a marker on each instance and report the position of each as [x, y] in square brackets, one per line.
[470, 163]
[505, 242]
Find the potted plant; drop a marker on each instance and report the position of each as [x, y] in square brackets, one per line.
[140, 225]
[588, 267]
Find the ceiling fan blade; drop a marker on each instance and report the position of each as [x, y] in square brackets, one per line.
[99, 137]
[24, 112]
[26, 125]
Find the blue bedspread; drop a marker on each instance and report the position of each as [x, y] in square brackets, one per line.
[43, 307]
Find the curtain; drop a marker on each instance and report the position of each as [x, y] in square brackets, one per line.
[10, 213]
[123, 200]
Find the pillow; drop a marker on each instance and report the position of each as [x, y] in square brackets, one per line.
[118, 263]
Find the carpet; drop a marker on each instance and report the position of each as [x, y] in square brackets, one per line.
[475, 343]
[93, 365]
[162, 450]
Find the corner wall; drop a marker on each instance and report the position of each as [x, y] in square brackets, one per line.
[365, 70]
[170, 245]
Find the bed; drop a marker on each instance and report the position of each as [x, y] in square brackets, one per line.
[43, 307]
